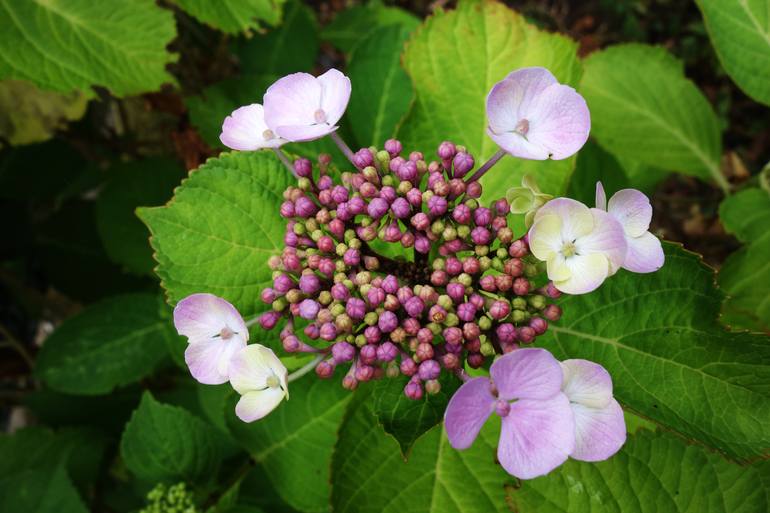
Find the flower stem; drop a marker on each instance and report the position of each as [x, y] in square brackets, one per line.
[344, 148]
[305, 368]
[286, 162]
[487, 165]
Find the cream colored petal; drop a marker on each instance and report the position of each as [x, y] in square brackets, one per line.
[255, 405]
[545, 237]
[558, 270]
[251, 367]
[588, 273]
[576, 218]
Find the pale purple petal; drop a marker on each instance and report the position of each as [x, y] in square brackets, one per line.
[632, 209]
[601, 197]
[467, 411]
[300, 133]
[537, 436]
[518, 146]
[335, 95]
[586, 383]
[292, 100]
[209, 361]
[510, 100]
[645, 254]
[531, 373]
[245, 129]
[586, 273]
[599, 432]
[576, 218]
[257, 404]
[200, 317]
[559, 121]
[607, 238]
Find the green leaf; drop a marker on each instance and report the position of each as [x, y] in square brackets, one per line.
[371, 476]
[644, 108]
[78, 44]
[44, 489]
[352, 25]
[29, 115]
[454, 59]
[164, 442]
[290, 48]
[670, 361]
[594, 165]
[405, 419]
[745, 275]
[233, 16]
[740, 33]
[140, 183]
[653, 472]
[111, 343]
[220, 228]
[382, 93]
[295, 442]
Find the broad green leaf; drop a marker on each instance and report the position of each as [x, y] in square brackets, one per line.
[382, 92]
[290, 48]
[454, 59]
[108, 412]
[43, 489]
[29, 115]
[594, 165]
[371, 476]
[220, 228]
[405, 419]
[163, 442]
[670, 361]
[141, 183]
[352, 25]
[740, 32]
[255, 497]
[111, 343]
[654, 472]
[295, 442]
[77, 44]
[233, 16]
[745, 275]
[644, 108]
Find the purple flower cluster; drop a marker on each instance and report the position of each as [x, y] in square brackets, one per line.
[465, 296]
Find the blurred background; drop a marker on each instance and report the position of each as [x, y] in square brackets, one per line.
[75, 162]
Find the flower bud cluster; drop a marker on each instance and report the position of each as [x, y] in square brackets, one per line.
[465, 296]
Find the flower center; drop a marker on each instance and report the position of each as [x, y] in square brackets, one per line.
[268, 134]
[226, 333]
[568, 249]
[522, 127]
[272, 381]
[320, 116]
[502, 408]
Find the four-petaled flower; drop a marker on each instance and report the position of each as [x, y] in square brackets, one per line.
[527, 199]
[581, 246]
[261, 379]
[301, 107]
[532, 116]
[215, 331]
[633, 211]
[538, 427]
[600, 430]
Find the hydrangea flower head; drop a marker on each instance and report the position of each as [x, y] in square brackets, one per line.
[581, 246]
[245, 129]
[301, 107]
[633, 211]
[538, 427]
[215, 332]
[532, 116]
[261, 379]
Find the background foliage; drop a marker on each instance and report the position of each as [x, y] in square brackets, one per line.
[108, 106]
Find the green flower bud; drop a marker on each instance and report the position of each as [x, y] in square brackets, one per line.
[485, 323]
[463, 231]
[487, 349]
[537, 302]
[371, 318]
[325, 297]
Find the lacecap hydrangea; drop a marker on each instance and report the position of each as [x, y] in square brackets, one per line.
[467, 295]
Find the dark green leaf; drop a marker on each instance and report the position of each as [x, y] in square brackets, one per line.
[593, 165]
[44, 489]
[164, 442]
[234, 16]
[111, 343]
[352, 25]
